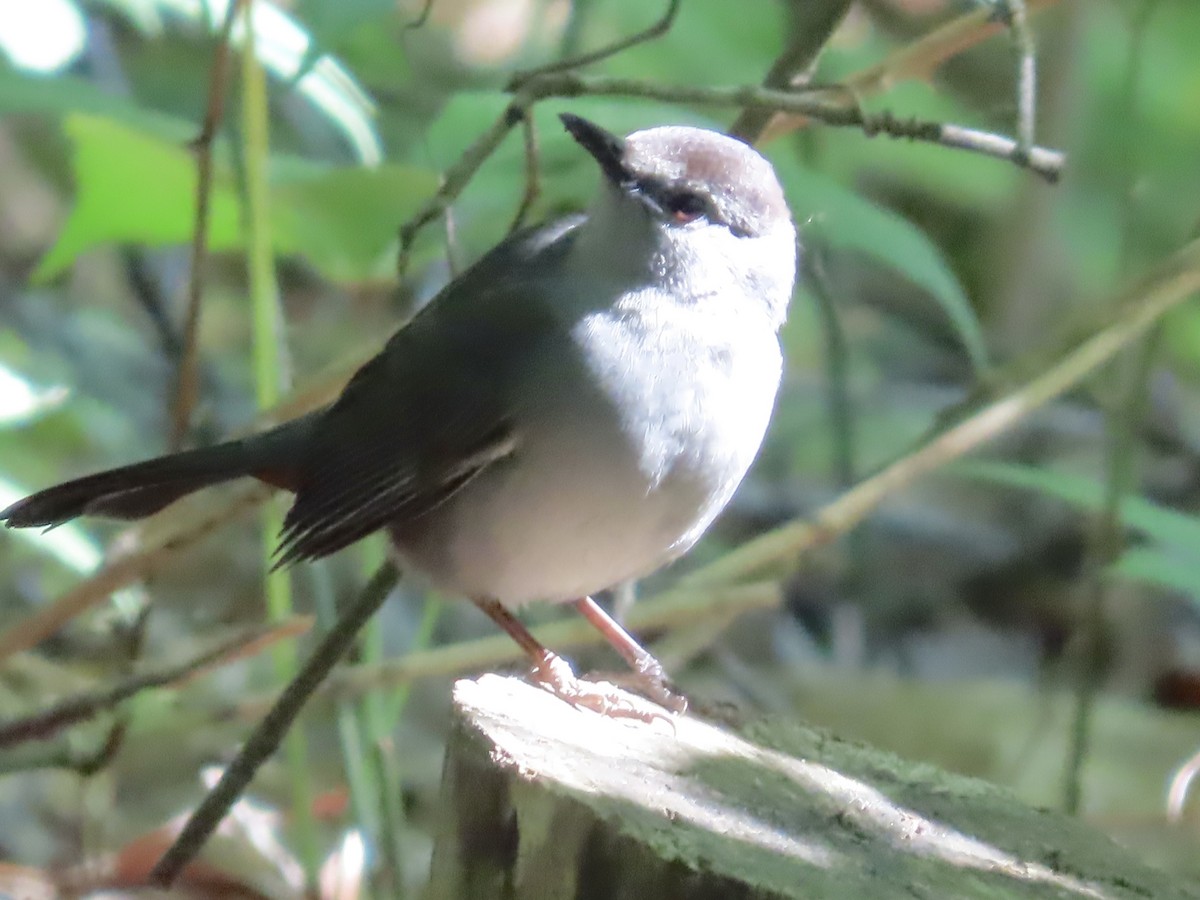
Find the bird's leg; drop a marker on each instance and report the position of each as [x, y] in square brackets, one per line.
[649, 676]
[554, 673]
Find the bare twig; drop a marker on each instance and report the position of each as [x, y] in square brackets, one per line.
[810, 104]
[669, 609]
[1018, 22]
[272, 729]
[918, 60]
[458, 176]
[1165, 287]
[554, 81]
[809, 27]
[48, 722]
[422, 17]
[187, 380]
[659, 28]
[120, 572]
[813, 104]
[532, 181]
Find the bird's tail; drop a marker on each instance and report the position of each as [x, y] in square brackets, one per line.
[138, 490]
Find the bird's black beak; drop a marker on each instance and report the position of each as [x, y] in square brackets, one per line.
[604, 146]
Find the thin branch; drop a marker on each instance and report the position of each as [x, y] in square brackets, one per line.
[810, 104]
[271, 730]
[813, 104]
[528, 88]
[422, 17]
[458, 177]
[1046, 163]
[669, 609]
[920, 59]
[1018, 23]
[916, 61]
[124, 570]
[187, 379]
[1165, 287]
[47, 722]
[809, 28]
[533, 186]
[659, 28]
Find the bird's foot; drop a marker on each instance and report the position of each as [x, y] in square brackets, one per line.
[554, 674]
[648, 680]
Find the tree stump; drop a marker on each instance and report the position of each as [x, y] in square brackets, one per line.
[542, 801]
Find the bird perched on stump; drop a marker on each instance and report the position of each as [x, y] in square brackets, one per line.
[571, 412]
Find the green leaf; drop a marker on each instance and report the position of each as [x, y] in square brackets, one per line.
[1156, 522]
[1174, 537]
[345, 220]
[828, 212]
[64, 95]
[1152, 566]
[134, 187]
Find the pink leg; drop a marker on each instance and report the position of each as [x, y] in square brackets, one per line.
[650, 677]
[554, 673]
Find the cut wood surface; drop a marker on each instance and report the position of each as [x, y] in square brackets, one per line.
[541, 800]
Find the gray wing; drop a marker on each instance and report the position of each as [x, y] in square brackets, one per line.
[431, 412]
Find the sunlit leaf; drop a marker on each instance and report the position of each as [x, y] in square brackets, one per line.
[45, 37]
[287, 51]
[21, 400]
[133, 187]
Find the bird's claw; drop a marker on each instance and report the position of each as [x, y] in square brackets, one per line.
[556, 675]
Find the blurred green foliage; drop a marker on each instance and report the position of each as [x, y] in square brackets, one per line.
[943, 270]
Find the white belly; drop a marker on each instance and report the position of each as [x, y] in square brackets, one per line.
[605, 486]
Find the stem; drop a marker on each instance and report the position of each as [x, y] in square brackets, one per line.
[269, 377]
[1123, 424]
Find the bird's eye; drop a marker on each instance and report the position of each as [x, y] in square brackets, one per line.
[685, 206]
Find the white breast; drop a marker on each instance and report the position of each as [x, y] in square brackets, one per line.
[624, 458]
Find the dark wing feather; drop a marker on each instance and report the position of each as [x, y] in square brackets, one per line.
[432, 411]
[323, 521]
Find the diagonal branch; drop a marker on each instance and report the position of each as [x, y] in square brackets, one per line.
[46, 722]
[809, 28]
[1140, 306]
[271, 731]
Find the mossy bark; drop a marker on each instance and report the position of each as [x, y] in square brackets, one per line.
[542, 801]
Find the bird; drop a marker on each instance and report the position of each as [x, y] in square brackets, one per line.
[569, 413]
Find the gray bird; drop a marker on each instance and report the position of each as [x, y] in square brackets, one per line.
[571, 412]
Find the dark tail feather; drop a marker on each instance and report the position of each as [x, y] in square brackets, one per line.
[138, 490]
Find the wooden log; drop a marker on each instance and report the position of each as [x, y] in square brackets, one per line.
[542, 801]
